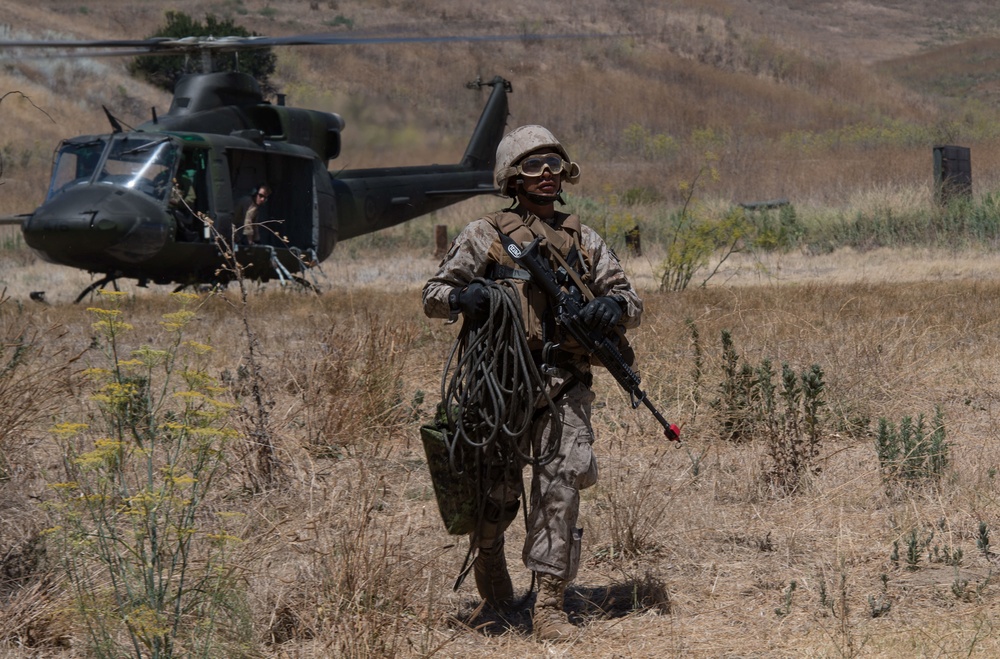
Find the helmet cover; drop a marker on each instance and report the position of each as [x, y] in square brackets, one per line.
[523, 141]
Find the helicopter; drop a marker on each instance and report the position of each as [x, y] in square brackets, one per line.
[157, 203]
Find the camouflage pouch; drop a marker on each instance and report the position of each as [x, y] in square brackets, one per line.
[457, 494]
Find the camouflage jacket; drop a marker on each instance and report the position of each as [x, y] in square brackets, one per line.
[475, 249]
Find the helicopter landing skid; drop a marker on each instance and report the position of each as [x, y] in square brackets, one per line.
[305, 283]
[284, 275]
[110, 279]
[201, 287]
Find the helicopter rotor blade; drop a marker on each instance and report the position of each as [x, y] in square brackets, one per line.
[332, 39]
[170, 46]
[88, 54]
[101, 43]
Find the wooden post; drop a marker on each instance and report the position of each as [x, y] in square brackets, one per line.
[952, 173]
[440, 241]
[634, 241]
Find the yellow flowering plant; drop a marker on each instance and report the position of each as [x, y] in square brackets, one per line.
[146, 560]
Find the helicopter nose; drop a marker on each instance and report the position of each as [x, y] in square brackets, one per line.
[98, 227]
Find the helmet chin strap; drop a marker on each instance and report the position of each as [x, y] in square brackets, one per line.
[541, 199]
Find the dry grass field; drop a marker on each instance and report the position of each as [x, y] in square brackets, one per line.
[689, 551]
[321, 524]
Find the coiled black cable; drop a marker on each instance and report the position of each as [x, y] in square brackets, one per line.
[491, 385]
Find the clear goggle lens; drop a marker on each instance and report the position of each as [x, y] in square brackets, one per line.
[535, 165]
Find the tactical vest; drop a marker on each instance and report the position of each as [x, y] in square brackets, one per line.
[562, 235]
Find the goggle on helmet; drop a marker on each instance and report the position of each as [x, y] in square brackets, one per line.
[536, 165]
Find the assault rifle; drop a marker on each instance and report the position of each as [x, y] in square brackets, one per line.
[567, 312]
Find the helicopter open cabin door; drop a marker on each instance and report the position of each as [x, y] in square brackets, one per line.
[281, 238]
[288, 217]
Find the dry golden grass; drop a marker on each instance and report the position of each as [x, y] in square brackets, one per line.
[347, 557]
[354, 514]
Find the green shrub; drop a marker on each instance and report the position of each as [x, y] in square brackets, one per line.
[165, 71]
[693, 237]
[912, 453]
[775, 229]
[752, 406]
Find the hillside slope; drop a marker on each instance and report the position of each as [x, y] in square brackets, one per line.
[794, 85]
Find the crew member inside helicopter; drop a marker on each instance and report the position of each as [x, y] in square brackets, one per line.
[183, 200]
[249, 215]
[184, 197]
[183, 193]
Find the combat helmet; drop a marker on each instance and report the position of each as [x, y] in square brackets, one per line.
[522, 141]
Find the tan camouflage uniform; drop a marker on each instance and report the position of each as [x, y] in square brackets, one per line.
[552, 545]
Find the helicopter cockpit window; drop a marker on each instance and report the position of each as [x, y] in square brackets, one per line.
[75, 162]
[143, 164]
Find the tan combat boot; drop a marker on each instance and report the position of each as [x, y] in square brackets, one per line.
[492, 578]
[549, 621]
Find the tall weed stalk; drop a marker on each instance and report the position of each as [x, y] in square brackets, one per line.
[353, 391]
[28, 383]
[694, 234]
[636, 501]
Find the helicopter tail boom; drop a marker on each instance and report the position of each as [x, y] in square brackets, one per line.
[372, 199]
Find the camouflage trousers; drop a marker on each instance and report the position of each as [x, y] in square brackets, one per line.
[552, 543]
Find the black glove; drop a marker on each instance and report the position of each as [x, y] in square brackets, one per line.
[474, 301]
[601, 313]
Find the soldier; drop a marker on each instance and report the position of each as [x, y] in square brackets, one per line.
[531, 166]
[249, 215]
